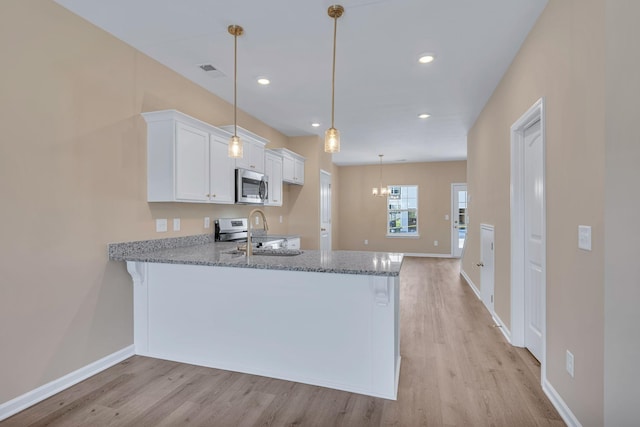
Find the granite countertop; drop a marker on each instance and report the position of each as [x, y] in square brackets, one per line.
[201, 250]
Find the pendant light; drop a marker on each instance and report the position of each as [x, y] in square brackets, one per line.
[332, 135]
[235, 144]
[380, 191]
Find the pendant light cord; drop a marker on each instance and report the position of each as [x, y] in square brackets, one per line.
[333, 80]
[235, 85]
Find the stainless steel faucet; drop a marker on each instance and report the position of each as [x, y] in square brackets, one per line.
[249, 250]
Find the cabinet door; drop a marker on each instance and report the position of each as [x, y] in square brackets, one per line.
[273, 169]
[257, 158]
[299, 172]
[192, 164]
[221, 172]
[288, 169]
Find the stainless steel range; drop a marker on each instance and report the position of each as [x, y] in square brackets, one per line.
[235, 230]
[231, 230]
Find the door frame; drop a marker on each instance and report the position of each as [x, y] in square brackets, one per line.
[533, 114]
[454, 236]
[326, 174]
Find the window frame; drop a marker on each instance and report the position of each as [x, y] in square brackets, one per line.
[403, 235]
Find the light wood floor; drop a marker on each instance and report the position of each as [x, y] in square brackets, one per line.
[457, 370]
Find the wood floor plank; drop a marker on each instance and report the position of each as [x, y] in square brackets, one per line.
[457, 370]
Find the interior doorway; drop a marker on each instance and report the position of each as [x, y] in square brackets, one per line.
[528, 233]
[458, 218]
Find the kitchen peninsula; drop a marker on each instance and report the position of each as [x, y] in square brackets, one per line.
[327, 318]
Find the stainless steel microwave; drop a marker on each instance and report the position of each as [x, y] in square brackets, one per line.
[251, 187]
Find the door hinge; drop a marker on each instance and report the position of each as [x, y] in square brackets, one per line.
[491, 245]
[492, 299]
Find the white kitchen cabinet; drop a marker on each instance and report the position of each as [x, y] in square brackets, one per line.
[252, 147]
[292, 166]
[273, 170]
[191, 163]
[222, 170]
[187, 160]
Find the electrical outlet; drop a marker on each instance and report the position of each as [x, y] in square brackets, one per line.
[257, 219]
[176, 224]
[207, 222]
[435, 243]
[446, 217]
[366, 242]
[280, 219]
[161, 225]
[570, 362]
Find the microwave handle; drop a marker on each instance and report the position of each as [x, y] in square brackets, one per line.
[263, 190]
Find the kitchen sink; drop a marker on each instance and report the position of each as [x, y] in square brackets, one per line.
[268, 252]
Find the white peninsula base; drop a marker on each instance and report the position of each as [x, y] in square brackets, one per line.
[332, 330]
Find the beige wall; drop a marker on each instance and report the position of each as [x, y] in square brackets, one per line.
[73, 179]
[561, 60]
[362, 216]
[304, 201]
[622, 209]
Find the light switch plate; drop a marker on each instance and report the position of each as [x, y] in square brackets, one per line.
[207, 222]
[161, 225]
[446, 217]
[584, 237]
[176, 224]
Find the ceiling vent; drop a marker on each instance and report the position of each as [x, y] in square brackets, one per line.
[211, 70]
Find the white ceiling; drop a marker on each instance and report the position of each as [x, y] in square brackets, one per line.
[380, 86]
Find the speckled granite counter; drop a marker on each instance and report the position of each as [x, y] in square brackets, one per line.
[200, 250]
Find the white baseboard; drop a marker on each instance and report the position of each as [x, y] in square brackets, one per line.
[503, 328]
[428, 255]
[567, 416]
[471, 284]
[39, 394]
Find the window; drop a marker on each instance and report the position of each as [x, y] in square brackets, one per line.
[402, 211]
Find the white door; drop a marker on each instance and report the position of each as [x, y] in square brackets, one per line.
[325, 211]
[534, 278]
[487, 265]
[458, 218]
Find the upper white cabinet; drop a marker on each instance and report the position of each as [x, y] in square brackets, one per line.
[252, 147]
[292, 166]
[273, 170]
[187, 160]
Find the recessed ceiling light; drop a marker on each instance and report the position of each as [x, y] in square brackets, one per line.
[426, 58]
[263, 81]
[315, 125]
[424, 116]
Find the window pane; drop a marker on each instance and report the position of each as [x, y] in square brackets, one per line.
[402, 210]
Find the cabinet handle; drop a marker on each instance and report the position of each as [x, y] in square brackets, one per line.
[213, 195]
[208, 195]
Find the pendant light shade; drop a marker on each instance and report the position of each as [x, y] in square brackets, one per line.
[380, 191]
[332, 135]
[332, 140]
[235, 144]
